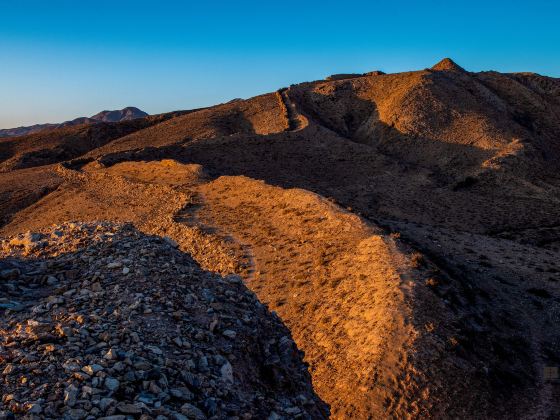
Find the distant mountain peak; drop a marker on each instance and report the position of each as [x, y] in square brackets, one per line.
[125, 114]
[447, 64]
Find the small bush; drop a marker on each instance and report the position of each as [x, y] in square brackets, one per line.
[431, 282]
[417, 259]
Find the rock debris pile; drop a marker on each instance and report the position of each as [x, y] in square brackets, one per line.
[100, 320]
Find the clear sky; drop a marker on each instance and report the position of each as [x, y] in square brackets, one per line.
[64, 59]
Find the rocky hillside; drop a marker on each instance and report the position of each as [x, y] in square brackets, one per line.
[100, 320]
[50, 146]
[402, 229]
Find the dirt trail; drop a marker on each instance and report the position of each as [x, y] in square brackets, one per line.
[296, 121]
[336, 282]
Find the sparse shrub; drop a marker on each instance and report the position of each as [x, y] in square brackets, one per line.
[417, 259]
[321, 259]
[431, 282]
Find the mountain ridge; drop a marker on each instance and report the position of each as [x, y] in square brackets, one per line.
[404, 227]
[126, 114]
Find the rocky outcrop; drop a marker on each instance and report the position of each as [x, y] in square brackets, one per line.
[101, 320]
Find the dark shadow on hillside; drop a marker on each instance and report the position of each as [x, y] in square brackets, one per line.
[38, 288]
[20, 189]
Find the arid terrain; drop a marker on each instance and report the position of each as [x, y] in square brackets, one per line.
[366, 246]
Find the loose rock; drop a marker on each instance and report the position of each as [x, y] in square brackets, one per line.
[125, 334]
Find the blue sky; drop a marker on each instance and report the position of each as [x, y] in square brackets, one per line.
[64, 59]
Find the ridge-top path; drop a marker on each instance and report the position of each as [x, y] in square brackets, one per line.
[296, 121]
[335, 281]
